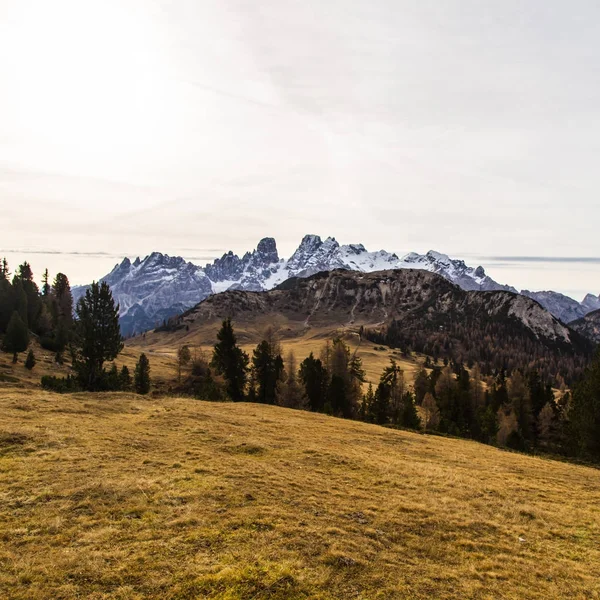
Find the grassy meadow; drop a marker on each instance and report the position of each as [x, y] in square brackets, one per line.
[128, 497]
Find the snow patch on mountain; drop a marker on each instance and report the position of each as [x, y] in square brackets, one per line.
[159, 286]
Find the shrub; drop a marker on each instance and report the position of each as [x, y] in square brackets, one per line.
[60, 385]
[30, 362]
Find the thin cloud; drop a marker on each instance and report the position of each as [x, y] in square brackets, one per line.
[543, 259]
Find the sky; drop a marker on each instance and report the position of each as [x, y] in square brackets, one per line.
[193, 128]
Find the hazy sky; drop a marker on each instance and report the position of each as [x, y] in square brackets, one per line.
[197, 126]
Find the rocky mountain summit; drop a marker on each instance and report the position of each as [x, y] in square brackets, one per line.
[160, 286]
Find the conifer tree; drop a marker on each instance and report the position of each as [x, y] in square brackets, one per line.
[585, 412]
[98, 335]
[63, 302]
[34, 302]
[410, 417]
[46, 284]
[30, 361]
[19, 299]
[366, 408]
[125, 381]
[290, 394]
[231, 362]
[267, 371]
[141, 377]
[4, 270]
[7, 303]
[16, 338]
[314, 379]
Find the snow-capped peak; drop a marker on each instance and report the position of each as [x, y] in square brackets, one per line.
[160, 286]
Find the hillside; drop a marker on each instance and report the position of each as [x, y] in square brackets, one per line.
[588, 326]
[404, 308]
[175, 498]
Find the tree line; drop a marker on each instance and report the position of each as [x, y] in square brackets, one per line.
[90, 332]
[521, 411]
[26, 310]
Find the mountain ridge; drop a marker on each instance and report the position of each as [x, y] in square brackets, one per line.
[160, 286]
[409, 309]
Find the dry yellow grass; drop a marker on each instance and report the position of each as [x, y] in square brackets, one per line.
[118, 496]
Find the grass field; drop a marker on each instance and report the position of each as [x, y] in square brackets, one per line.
[119, 496]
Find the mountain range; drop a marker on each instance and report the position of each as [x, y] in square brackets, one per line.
[407, 309]
[158, 287]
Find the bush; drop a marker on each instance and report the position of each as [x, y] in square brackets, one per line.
[60, 385]
[30, 362]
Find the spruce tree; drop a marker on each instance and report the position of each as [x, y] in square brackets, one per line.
[267, 371]
[63, 298]
[32, 292]
[16, 338]
[7, 303]
[290, 394]
[585, 412]
[314, 379]
[19, 299]
[231, 362]
[141, 378]
[46, 284]
[367, 404]
[30, 361]
[410, 417]
[98, 335]
[125, 381]
[4, 270]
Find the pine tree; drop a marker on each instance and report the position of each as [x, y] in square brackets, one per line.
[231, 362]
[34, 302]
[98, 335]
[63, 301]
[380, 407]
[125, 379]
[410, 417]
[19, 299]
[141, 378]
[16, 338]
[290, 394]
[46, 284]
[267, 371]
[314, 379]
[585, 412]
[30, 361]
[111, 380]
[4, 270]
[7, 303]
